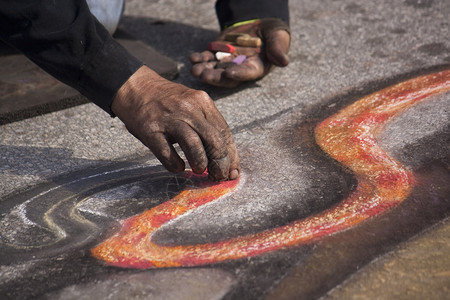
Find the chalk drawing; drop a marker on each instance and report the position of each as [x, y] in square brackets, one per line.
[348, 137]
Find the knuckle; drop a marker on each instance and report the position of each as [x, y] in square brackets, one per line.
[151, 127]
[201, 96]
[215, 148]
[192, 141]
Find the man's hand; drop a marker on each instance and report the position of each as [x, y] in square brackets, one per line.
[275, 38]
[161, 113]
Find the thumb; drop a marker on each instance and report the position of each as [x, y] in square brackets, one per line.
[277, 47]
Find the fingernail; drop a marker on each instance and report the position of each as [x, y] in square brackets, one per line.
[234, 174]
[284, 61]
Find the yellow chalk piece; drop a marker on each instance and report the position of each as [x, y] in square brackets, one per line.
[232, 36]
[248, 41]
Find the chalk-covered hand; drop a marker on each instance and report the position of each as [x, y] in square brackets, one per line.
[161, 113]
[250, 59]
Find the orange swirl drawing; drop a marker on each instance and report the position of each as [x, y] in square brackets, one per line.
[347, 136]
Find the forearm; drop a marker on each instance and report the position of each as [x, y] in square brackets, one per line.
[233, 11]
[63, 38]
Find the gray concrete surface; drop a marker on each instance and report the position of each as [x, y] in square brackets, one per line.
[341, 51]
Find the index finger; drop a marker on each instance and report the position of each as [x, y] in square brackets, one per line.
[213, 130]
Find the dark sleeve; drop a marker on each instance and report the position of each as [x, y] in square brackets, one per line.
[233, 11]
[66, 40]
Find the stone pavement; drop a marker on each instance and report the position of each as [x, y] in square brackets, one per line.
[67, 178]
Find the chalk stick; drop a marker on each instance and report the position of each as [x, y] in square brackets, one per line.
[248, 41]
[221, 55]
[231, 37]
[221, 46]
[239, 59]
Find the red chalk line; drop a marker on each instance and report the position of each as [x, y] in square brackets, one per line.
[348, 137]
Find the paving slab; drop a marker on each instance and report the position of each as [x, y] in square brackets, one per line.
[69, 178]
[401, 275]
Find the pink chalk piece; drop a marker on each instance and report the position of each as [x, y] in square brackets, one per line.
[239, 59]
